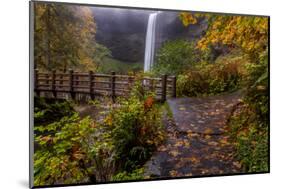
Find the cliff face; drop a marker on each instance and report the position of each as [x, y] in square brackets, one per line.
[170, 27]
[123, 31]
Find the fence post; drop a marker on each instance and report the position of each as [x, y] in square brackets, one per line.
[71, 84]
[130, 82]
[61, 79]
[37, 92]
[113, 86]
[151, 84]
[91, 90]
[76, 80]
[174, 85]
[164, 87]
[47, 79]
[54, 83]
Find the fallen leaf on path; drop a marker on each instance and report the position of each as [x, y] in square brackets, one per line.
[162, 149]
[181, 164]
[182, 108]
[192, 134]
[205, 171]
[200, 121]
[179, 143]
[237, 164]
[229, 105]
[194, 160]
[207, 136]
[208, 131]
[174, 153]
[224, 141]
[212, 143]
[173, 173]
[186, 144]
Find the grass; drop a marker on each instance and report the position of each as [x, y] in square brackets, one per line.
[168, 109]
[120, 67]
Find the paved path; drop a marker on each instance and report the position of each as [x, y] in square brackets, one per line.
[197, 143]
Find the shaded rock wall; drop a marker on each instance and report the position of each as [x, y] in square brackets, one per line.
[123, 31]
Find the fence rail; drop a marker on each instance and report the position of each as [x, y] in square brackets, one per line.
[71, 84]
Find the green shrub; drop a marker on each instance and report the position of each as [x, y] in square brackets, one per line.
[75, 150]
[125, 176]
[250, 136]
[62, 156]
[175, 56]
[249, 125]
[50, 110]
[212, 78]
[135, 128]
[257, 84]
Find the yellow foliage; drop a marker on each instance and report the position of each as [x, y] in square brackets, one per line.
[64, 35]
[108, 120]
[188, 19]
[250, 33]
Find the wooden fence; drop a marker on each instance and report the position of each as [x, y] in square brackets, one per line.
[71, 84]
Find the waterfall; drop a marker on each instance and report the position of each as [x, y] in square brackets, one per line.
[150, 42]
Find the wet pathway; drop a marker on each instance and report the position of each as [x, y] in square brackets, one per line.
[197, 143]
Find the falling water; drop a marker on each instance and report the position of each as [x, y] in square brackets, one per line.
[150, 42]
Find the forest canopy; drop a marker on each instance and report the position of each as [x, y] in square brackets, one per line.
[64, 36]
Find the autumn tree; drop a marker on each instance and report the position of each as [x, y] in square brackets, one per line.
[64, 36]
[249, 33]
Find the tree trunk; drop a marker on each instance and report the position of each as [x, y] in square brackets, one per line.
[48, 32]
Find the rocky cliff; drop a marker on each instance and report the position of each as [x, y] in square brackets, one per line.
[123, 31]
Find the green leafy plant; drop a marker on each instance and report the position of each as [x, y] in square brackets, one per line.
[249, 123]
[250, 136]
[49, 110]
[224, 75]
[135, 127]
[175, 56]
[74, 150]
[62, 155]
[137, 174]
[70, 149]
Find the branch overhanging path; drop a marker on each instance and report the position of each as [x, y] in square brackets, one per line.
[197, 142]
